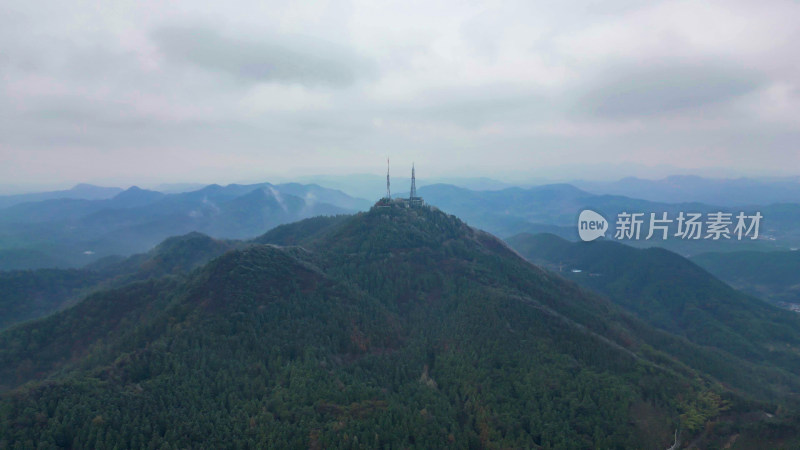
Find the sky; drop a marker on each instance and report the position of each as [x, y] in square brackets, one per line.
[194, 91]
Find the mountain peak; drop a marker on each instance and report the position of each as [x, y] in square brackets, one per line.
[136, 196]
[406, 236]
[400, 226]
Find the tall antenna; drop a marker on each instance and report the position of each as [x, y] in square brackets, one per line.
[413, 182]
[388, 191]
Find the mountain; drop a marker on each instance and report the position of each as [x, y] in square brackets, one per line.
[72, 233]
[174, 256]
[31, 294]
[135, 196]
[80, 191]
[769, 275]
[688, 188]
[390, 328]
[674, 294]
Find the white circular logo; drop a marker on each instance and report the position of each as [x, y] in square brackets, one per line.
[591, 225]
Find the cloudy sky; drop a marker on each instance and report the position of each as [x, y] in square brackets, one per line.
[139, 91]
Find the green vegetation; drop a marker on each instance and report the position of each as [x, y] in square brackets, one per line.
[393, 328]
[769, 275]
[28, 294]
[302, 232]
[673, 294]
[32, 294]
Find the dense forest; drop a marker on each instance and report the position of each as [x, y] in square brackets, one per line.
[31, 294]
[394, 328]
[674, 294]
[768, 275]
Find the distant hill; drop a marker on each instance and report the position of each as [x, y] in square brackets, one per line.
[390, 328]
[135, 196]
[80, 191]
[772, 276]
[512, 211]
[174, 256]
[31, 294]
[74, 232]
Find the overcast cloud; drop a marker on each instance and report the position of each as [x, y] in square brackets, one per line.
[143, 92]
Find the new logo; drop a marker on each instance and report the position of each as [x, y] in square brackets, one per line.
[591, 225]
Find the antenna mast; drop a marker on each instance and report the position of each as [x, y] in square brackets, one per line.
[413, 183]
[388, 191]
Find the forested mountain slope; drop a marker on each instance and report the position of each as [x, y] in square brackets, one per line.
[674, 294]
[395, 327]
[773, 276]
[30, 294]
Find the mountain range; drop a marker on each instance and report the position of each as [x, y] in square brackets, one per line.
[69, 232]
[79, 191]
[728, 192]
[555, 208]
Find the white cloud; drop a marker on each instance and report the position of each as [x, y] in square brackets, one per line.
[91, 91]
